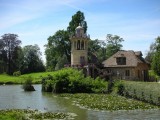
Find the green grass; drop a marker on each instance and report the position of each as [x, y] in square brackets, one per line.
[107, 102]
[6, 79]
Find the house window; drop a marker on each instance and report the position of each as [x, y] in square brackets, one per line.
[127, 73]
[121, 61]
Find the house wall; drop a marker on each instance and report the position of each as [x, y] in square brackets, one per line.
[120, 73]
[135, 73]
[141, 71]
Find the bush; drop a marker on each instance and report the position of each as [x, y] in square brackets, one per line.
[27, 86]
[144, 91]
[121, 89]
[17, 73]
[69, 80]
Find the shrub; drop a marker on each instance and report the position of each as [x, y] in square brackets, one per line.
[27, 86]
[69, 80]
[144, 91]
[17, 73]
[121, 89]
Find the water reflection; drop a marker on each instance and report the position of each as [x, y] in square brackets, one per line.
[12, 96]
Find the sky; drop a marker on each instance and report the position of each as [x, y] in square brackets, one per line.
[136, 21]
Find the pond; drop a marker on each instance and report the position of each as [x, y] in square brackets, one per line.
[13, 96]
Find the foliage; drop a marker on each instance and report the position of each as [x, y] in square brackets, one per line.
[77, 19]
[71, 80]
[22, 114]
[148, 92]
[113, 44]
[18, 73]
[27, 86]
[61, 62]
[32, 59]
[156, 57]
[150, 53]
[9, 53]
[106, 102]
[153, 76]
[97, 51]
[57, 46]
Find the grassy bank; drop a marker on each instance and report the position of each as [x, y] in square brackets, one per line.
[19, 114]
[107, 102]
[6, 79]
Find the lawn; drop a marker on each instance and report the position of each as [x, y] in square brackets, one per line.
[6, 79]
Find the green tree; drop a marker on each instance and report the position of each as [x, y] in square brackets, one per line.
[61, 62]
[9, 46]
[113, 44]
[156, 57]
[151, 52]
[77, 19]
[32, 61]
[97, 50]
[58, 45]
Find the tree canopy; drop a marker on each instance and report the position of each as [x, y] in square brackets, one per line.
[32, 61]
[113, 44]
[77, 19]
[14, 58]
[156, 57]
[9, 52]
[58, 45]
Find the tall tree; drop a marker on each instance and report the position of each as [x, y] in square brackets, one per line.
[113, 44]
[77, 19]
[8, 48]
[32, 61]
[150, 53]
[156, 57]
[58, 45]
[96, 51]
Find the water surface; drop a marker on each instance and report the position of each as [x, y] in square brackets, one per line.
[13, 96]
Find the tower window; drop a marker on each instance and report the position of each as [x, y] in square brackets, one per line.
[82, 45]
[78, 45]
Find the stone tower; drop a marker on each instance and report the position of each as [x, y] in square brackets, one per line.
[79, 47]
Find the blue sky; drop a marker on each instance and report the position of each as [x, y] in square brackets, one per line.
[136, 21]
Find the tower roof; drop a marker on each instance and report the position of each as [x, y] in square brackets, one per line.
[79, 27]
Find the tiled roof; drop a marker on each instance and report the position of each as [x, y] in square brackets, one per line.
[132, 59]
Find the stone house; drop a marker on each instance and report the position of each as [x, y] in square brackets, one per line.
[127, 65]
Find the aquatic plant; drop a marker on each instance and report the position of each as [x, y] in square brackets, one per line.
[25, 114]
[107, 102]
[27, 86]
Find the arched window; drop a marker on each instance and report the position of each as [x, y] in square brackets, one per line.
[82, 45]
[78, 45]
